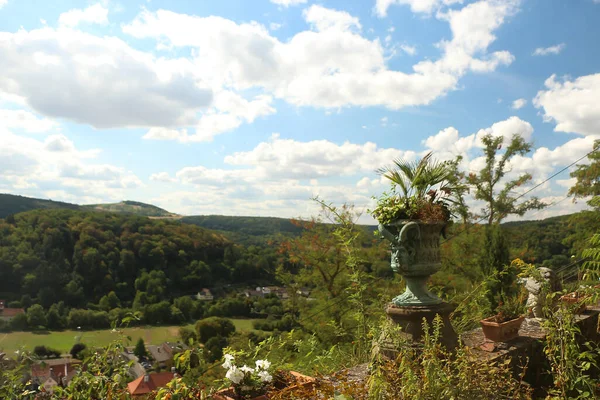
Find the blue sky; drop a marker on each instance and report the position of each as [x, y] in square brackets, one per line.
[243, 107]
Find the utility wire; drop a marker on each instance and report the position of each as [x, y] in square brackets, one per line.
[532, 189]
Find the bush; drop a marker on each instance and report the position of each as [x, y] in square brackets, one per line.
[77, 349]
[213, 348]
[45, 352]
[213, 326]
[185, 334]
[18, 322]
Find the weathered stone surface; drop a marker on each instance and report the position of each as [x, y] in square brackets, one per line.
[410, 320]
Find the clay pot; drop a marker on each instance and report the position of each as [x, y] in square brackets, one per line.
[300, 381]
[576, 300]
[503, 331]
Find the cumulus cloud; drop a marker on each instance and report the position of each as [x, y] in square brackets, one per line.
[544, 51]
[518, 104]
[314, 159]
[416, 6]
[323, 19]
[162, 177]
[94, 14]
[99, 81]
[572, 104]
[56, 164]
[287, 3]
[332, 65]
[229, 111]
[29, 122]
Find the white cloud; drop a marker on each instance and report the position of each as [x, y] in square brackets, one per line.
[410, 50]
[572, 104]
[544, 51]
[274, 26]
[518, 104]
[319, 158]
[162, 177]
[21, 119]
[287, 3]
[3, 3]
[333, 65]
[416, 6]
[99, 81]
[94, 14]
[323, 19]
[36, 167]
[229, 112]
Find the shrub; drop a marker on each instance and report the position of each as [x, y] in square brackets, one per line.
[77, 349]
[45, 352]
[213, 326]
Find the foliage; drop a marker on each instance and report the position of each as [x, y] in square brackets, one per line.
[213, 326]
[572, 363]
[77, 349]
[500, 203]
[428, 372]
[588, 178]
[45, 352]
[427, 188]
[140, 349]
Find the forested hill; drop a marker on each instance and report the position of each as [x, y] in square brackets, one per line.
[78, 257]
[13, 204]
[131, 207]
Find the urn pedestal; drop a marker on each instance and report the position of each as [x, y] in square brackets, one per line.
[415, 249]
[410, 319]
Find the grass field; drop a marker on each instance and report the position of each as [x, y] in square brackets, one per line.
[64, 340]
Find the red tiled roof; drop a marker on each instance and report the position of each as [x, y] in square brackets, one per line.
[11, 312]
[155, 381]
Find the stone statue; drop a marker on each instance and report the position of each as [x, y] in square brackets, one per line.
[537, 296]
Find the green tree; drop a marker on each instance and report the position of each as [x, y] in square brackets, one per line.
[140, 349]
[109, 301]
[54, 320]
[498, 196]
[588, 178]
[18, 322]
[500, 201]
[213, 326]
[36, 316]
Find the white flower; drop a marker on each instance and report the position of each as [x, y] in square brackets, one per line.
[234, 375]
[228, 361]
[246, 368]
[265, 376]
[263, 364]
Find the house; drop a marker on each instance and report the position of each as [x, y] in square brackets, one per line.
[7, 313]
[160, 356]
[50, 373]
[205, 295]
[149, 383]
[254, 293]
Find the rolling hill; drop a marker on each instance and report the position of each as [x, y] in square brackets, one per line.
[132, 207]
[13, 204]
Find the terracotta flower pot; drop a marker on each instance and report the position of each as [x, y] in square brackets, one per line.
[503, 331]
[300, 381]
[576, 300]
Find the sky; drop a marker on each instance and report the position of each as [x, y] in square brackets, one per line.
[253, 107]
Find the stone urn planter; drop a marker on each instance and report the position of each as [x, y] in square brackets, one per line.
[415, 249]
[501, 331]
[294, 381]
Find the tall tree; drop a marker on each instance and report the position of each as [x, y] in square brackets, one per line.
[588, 179]
[140, 349]
[501, 201]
